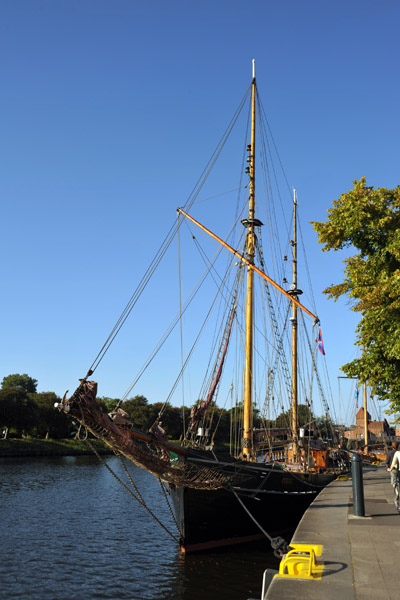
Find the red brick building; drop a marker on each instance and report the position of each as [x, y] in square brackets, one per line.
[376, 429]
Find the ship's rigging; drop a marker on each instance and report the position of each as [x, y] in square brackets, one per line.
[191, 468]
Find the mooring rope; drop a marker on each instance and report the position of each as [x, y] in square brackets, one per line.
[279, 545]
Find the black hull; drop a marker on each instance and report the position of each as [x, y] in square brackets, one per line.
[275, 498]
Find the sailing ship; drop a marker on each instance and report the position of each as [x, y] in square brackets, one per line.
[222, 497]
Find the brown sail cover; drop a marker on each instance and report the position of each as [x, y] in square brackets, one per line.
[197, 412]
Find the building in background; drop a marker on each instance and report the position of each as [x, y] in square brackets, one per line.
[378, 430]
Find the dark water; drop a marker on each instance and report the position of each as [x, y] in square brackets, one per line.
[69, 531]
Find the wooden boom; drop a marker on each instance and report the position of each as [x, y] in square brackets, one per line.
[248, 263]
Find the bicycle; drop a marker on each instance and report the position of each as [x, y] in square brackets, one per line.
[396, 494]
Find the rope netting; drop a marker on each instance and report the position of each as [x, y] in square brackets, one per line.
[147, 450]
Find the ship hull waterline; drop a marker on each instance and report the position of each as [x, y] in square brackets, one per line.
[275, 498]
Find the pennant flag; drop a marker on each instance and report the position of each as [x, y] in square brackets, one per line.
[320, 342]
[356, 396]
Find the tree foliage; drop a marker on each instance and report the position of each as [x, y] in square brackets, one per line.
[368, 220]
[22, 382]
[304, 417]
[143, 415]
[50, 423]
[139, 412]
[108, 404]
[17, 410]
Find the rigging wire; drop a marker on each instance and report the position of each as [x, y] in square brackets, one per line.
[238, 189]
[174, 322]
[266, 149]
[306, 267]
[321, 390]
[188, 357]
[136, 496]
[166, 334]
[230, 296]
[265, 120]
[166, 243]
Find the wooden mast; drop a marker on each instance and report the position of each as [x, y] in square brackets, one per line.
[248, 258]
[365, 416]
[365, 419]
[295, 292]
[247, 442]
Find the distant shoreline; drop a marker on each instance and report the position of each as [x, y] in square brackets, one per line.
[17, 448]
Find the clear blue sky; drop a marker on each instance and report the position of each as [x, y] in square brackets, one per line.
[110, 109]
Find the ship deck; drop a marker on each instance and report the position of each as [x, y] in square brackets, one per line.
[360, 554]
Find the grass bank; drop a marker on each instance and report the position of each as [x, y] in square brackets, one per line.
[35, 447]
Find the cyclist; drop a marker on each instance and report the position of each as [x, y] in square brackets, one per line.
[390, 454]
[394, 476]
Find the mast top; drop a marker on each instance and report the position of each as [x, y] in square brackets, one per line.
[294, 197]
[254, 68]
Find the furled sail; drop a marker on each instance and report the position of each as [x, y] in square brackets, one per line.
[197, 412]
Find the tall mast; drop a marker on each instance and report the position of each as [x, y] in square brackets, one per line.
[250, 251]
[365, 418]
[295, 293]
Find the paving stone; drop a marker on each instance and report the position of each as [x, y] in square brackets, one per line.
[360, 555]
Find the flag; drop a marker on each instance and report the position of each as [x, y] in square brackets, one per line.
[356, 396]
[320, 342]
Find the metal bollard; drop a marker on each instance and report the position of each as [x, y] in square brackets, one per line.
[358, 488]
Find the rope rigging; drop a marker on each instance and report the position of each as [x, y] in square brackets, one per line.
[209, 269]
[166, 243]
[178, 378]
[222, 292]
[187, 467]
[136, 495]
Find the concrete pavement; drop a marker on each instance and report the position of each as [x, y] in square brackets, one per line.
[361, 555]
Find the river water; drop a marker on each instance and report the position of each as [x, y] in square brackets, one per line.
[68, 530]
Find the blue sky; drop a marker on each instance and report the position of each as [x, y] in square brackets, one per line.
[110, 110]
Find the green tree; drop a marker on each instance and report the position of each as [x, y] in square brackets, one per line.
[368, 220]
[108, 404]
[304, 417]
[143, 415]
[17, 411]
[139, 412]
[171, 418]
[22, 382]
[7, 409]
[50, 422]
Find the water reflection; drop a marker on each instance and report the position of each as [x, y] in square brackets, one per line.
[69, 530]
